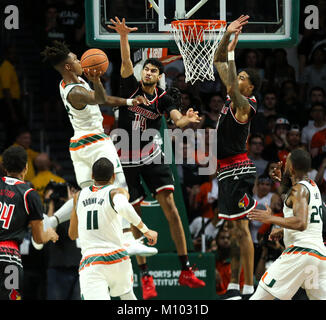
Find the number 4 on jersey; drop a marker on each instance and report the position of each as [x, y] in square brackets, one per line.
[6, 214]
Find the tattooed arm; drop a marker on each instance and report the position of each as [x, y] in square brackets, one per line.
[221, 53]
[221, 58]
[240, 103]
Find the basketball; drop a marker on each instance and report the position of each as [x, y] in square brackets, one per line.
[94, 59]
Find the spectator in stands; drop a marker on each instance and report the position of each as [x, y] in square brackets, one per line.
[252, 61]
[44, 175]
[318, 143]
[317, 94]
[290, 103]
[63, 256]
[202, 202]
[281, 129]
[215, 105]
[71, 15]
[208, 227]
[314, 74]
[12, 113]
[283, 71]
[24, 139]
[255, 150]
[293, 141]
[259, 123]
[223, 263]
[317, 114]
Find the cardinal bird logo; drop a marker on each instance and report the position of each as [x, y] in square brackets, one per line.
[244, 202]
[15, 295]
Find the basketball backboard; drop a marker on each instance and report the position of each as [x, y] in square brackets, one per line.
[273, 23]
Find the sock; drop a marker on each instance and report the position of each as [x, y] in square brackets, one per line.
[233, 286]
[143, 269]
[64, 213]
[247, 289]
[185, 265]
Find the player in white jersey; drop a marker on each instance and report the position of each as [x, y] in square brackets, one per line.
[105, 268]
[303, 262]
[89, 141]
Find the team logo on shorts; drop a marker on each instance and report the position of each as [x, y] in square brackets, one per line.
[244, 202]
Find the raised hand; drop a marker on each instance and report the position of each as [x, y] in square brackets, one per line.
[236, 25]
[276, 172]
[121, 27]
[151, 236]
[93, 74]
[193, 115]
[260, 215]
[140, 100]
[276, 234]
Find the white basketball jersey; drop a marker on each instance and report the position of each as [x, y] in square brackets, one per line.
[99, 225]
[312, 236]
[87, 120]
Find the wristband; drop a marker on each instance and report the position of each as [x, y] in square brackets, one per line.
[231, 55]
[144, 229]
[129, 102]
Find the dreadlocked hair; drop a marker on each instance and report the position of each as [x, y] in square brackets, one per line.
[55, 54]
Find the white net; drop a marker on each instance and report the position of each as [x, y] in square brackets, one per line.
[197, 45]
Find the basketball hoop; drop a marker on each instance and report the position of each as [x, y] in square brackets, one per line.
[197, 41]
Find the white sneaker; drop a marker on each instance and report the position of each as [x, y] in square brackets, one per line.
[137, 248]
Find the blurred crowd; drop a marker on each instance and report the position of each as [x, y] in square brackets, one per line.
[291, 114]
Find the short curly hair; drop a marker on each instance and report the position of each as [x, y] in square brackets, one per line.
[14, 159]
[254, 78]
[55, 54]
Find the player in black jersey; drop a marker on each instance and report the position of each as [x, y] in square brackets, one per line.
[236, 172]
[20, 206]
[158, 177]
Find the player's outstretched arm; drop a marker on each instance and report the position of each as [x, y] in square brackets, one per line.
[240, 102]
[221, 53]
[73, 225]
[123, 30]
[120, 202]
[39, 235]
[299, 198]
[79, 97]
[182, 120]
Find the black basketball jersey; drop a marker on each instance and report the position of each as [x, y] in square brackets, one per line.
[136, 120]
[232, 134]
[19, 204]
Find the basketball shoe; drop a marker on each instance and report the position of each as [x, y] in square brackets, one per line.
[137, 248]
[148, 287]
[188, 278]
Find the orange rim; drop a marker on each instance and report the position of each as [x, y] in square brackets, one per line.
[199, 23]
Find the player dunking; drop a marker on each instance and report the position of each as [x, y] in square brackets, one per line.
[105, 268]
[20, 206]
[89, 142]
[303, 262]
[236, 173]
[158, 177]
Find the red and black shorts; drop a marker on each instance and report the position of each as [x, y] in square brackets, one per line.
[236, 179]
[11, 271]
[157, 177]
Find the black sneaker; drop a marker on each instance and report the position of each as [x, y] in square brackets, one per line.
[246, 296]
[231, 294]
